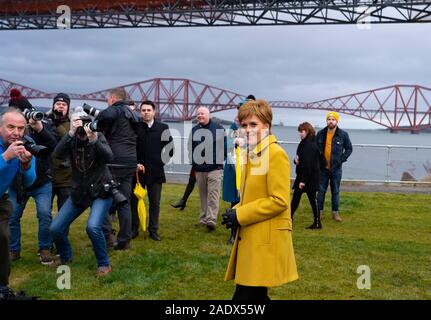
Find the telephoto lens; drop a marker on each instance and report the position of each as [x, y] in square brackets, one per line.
[33, 114]
[90, 110]
[96, 126]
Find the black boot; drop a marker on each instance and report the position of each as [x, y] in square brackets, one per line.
[179, 204]
[317, 224]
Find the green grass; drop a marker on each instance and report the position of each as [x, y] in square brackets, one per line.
[390, 233]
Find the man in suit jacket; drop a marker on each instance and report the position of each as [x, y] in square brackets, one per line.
[153, 153]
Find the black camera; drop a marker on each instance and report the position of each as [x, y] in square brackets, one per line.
[117, 197]
[33, 114]
[55, 115]
[90, 110]
[34, 149]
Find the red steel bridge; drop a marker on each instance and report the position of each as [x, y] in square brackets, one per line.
[397, 107]
[39, 14]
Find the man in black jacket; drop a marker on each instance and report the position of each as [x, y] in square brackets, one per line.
[42, 132]
[335, 147]
[153, 153]
[119, 125]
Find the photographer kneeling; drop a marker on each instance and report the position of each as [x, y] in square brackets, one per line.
[89, 152]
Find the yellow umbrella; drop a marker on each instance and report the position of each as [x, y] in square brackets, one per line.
[141, 193]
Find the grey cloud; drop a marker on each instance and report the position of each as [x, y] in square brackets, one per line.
[301, 63]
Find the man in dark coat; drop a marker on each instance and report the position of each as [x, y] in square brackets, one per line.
[119, 126]
[153, 152]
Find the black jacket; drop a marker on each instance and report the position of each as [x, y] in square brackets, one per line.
[341, 148]
[218, 143]
[89, 170]
[121, 132]
[152, 150]
[45, 138]
[308, 168]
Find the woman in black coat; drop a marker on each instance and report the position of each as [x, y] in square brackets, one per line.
[307, 162]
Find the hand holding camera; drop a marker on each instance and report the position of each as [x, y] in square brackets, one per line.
[92, 136]
[36, 125]
[74, 125]
[17, 150]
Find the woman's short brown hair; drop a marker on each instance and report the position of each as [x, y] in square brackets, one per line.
[259, 108]
[308, 128]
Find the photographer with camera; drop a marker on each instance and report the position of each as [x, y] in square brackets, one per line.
[89, 153]
[62, 172]
[120, 127]
[14, 159]
[40, 142]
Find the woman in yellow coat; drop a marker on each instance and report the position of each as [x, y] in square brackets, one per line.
[262, 255]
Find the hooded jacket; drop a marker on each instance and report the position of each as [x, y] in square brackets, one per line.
[89, 170]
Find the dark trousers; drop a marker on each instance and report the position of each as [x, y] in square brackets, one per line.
[297, 194]
[333, 179]
[250, 293]
[190, 186]
[124, 178]
[154, 194]
[62, 194]
[5, 212]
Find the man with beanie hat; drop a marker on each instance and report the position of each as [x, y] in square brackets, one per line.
[335, 148]
[62, 173]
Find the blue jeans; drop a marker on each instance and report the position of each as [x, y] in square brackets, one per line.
[42, 197]
[68, 213]
[333, 179]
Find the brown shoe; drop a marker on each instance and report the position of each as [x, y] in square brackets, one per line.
[112, 240]
[103, 271]
[59, 262]
[211, 226]
[14, 255]
[45, 257]
[335, 216]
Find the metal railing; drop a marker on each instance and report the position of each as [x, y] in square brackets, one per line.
[369, 163]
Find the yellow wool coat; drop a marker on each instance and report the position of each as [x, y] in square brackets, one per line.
[262, 254]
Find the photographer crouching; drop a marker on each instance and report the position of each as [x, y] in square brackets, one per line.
[14, 159]
[91, 187]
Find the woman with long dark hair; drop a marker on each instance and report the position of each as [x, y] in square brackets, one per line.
[307, 162]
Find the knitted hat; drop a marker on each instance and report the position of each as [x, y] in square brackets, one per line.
[17, 100]
[333, 114]
[62, 97]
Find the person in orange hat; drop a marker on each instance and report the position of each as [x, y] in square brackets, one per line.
[335, 146]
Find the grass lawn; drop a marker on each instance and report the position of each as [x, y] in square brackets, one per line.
[390, 233]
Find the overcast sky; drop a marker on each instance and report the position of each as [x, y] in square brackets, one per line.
[296, 63]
